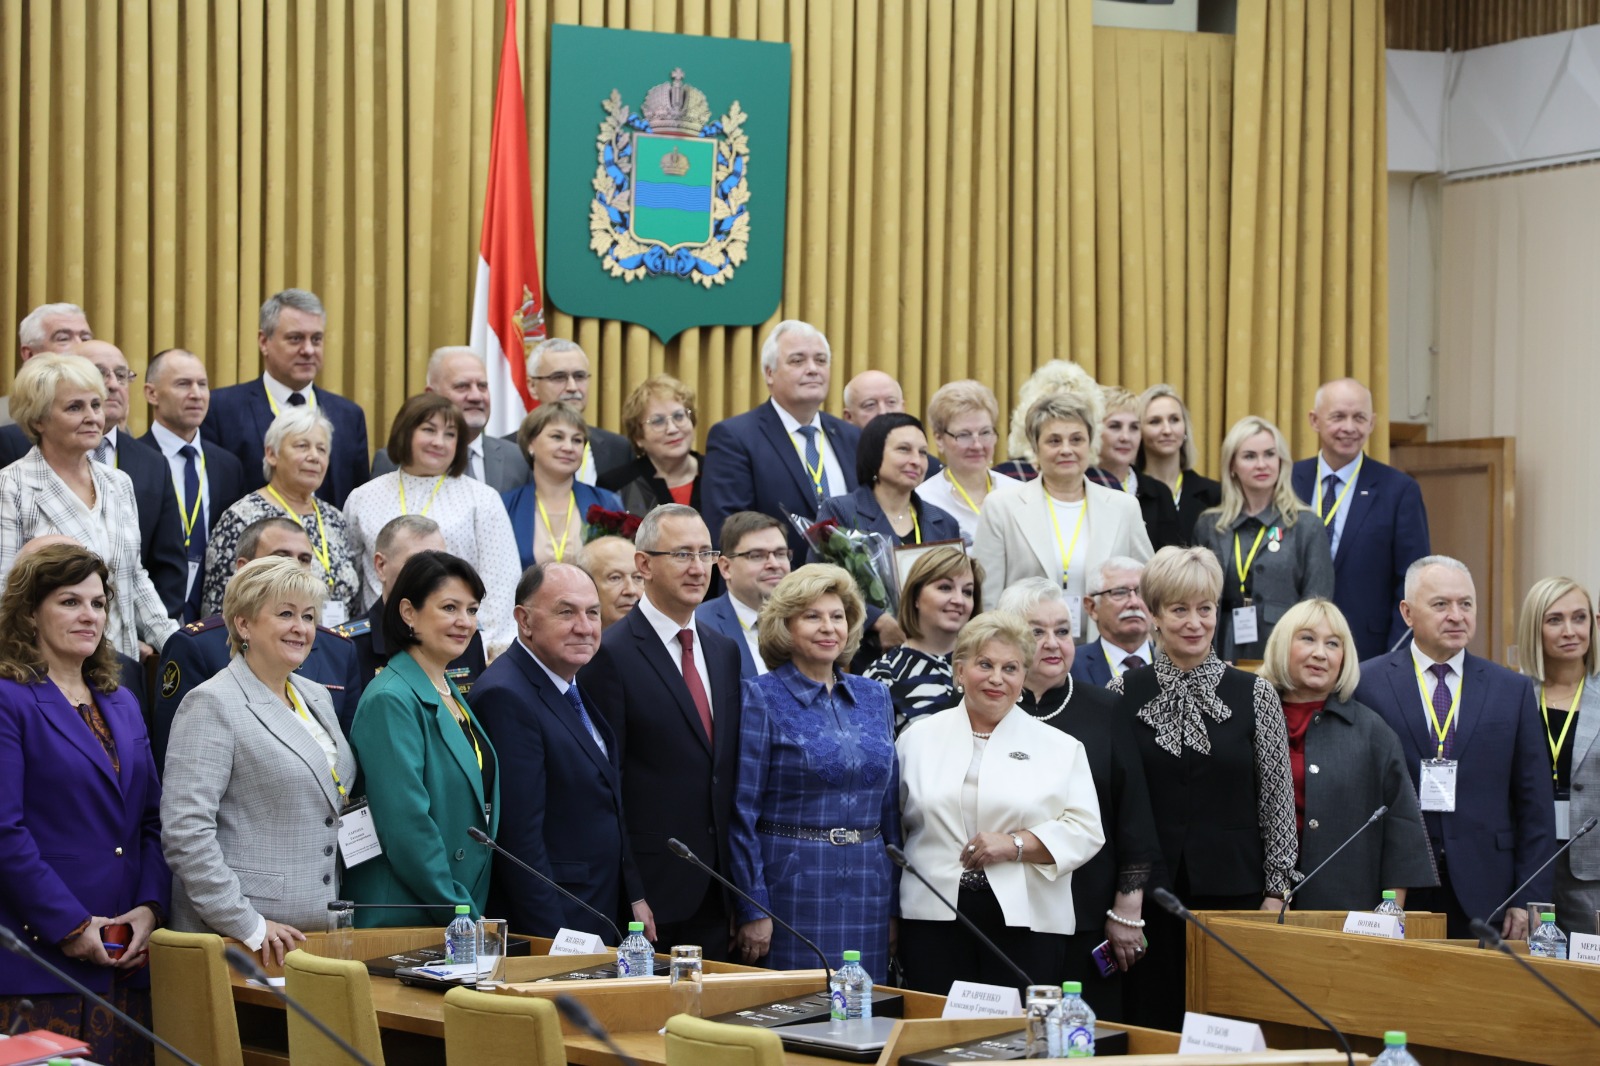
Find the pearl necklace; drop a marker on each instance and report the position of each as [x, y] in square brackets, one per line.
[983, 736]
[1058, 710]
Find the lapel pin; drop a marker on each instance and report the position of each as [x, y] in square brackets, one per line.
[1019, 755]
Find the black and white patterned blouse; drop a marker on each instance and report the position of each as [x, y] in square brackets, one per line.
[223, 549]
[919, 683]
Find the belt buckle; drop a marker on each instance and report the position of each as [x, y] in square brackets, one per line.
[844, 836]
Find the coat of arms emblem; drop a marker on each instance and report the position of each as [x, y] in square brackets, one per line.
[670, 191]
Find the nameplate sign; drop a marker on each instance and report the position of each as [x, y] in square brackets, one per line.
[1366, 923]
[572, 942]
[969, 999]
[1583, 947]
[1206, 1034]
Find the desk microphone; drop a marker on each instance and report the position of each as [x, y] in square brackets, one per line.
[17, 946]
[1493, 939]
[1516, 892]
[904, 863]
[487, 841]
[681, 850]
[578, 1015]
[1289, 896]
[245, 965]
[24, 1017]
[1172, 905]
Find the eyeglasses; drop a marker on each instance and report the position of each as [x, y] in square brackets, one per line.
[680, 417]
[1118, 594]
[577, 377]
[121, 377]
[757, 555]
[683, 558]
[982, 436]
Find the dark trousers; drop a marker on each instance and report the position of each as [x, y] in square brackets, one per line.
[707, 926]
[1458, 926]
[935, 954]
[1154, 991]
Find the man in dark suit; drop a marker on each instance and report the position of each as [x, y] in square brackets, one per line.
[558, 372]
[1119, 612]
[290, 339]
[1474, 726]
[459, 374]
[199, 651]
[206, 479]
[755, 558]
[670, 690]
[787, 455]
[1377, 525]
[561, 801]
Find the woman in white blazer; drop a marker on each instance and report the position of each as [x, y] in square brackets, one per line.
[997, 809]
[1061, 526]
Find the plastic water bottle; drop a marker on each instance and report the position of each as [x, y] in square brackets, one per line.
[1390, 906]
[1072, 1034]
[1042, 1001]
[461, 937]
[1394, 1051]
[635, 956]
[852, 990]
[1547, 941]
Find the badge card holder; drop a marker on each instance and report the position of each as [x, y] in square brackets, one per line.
[358, 839]
[1437, 785]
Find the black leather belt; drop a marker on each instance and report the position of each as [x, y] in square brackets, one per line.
[832, 836]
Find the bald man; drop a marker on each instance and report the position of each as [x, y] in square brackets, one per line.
[459, 373]
[869, 394]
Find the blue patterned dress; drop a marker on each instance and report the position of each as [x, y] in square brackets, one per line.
[811, 758]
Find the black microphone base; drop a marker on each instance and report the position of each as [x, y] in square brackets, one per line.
[811, 1007]
[1010, 1047]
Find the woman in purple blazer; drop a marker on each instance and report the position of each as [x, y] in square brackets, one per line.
[80, 834]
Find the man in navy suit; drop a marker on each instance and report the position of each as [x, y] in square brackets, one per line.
[1119, 611]
[669, 689]
[558, 372]
[787, 455]
[1377, 525]
[1469, 722]
[290, 339]
[562, 797]
[205, 479]
[755, 558]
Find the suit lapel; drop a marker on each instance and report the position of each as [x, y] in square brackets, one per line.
[64, 718]
[1408, 697]
[783, 447]
[1361, 499]
[725, 619]
[279, 720]
[1033, 522]
[655, 653]
[561, 711]
[56, 504]
[455, 738]
[843, 451]
[1474, 699]
[1588, 727]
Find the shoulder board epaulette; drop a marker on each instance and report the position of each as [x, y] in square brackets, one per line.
[204, 624]
[359, 627]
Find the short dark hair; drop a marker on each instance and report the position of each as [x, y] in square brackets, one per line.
[741, 524]
[538, 419]
[420, 578]
[250, 539]
[411, 416]
[869, 452]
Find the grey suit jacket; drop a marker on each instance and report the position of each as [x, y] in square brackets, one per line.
[1299, 569]
[1585, 854]
[249, 809]
[5, 411]
[504, 468]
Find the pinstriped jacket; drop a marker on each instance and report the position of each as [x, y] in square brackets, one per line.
[35, 502]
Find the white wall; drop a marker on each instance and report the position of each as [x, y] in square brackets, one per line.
[1413, 294]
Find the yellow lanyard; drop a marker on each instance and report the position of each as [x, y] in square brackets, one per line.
[1441, 731]
[1127, 485]
[194, 513]
[816, 475]
[916, 527]
[1177, 490]
[311, 399]
[566, 528]
[1556, 744]
[1067, 549]
[300, 709]
[437, 484]
[988, 486]
[465, 721]
[324, 556]
[1243, 565]
[1327, 519]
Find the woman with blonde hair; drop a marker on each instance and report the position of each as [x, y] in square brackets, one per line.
[1119, 440]
[962, 417]
[1346, 763]
[1557, 647]
[1172, 493]
[658, 419]
[1270, 559]
[818, 794]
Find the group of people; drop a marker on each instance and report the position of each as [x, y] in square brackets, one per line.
[1105, 672]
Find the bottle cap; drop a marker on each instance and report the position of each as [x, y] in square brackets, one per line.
[1547, 916]
[852, 956]
[1072, 988]
[463, 908]
[1394, 1038]
[1388, 893]
[635, 927]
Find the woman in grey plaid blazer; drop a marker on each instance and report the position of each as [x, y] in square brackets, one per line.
[58, 488]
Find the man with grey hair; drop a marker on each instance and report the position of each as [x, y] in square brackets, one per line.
[1477, 753]
[458, 373]
[290, 340]
[788, 455]
[670, 690]
[869, 394]
[47, 328]
[558, 372]
[1119, 612]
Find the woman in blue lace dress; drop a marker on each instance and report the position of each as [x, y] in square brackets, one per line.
[818, 791]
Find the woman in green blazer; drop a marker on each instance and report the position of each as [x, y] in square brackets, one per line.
[429, 768]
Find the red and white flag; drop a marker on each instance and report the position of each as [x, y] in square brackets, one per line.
[508, 306]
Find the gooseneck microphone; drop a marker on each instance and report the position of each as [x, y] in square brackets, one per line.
[1288, 897]
[681, 850]
[1517, 892]
[578, 1015]
[1493, 939]
[1173, 906]
[245, 965]
[904, 863]
[17, 946]
[487, 841]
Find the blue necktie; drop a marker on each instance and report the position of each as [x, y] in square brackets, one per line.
[813, 460]
[197, 535]
[297, 399]
[575, 698]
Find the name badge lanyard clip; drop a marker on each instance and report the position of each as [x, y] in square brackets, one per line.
[1441, 731]
[1242, 565]
[1557, 743]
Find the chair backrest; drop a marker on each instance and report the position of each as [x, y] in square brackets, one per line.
[694, 1041]
[339, 993]
[480, 1027]
[192, 998]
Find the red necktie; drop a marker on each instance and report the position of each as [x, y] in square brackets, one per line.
[691, 678]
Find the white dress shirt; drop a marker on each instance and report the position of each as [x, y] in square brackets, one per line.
[280, 392]
[1347, 477]
[1115, 656]
[747, 627]
[562, 684]
[833, 479]
[1452, 679]
[940, 491]
[667, 630]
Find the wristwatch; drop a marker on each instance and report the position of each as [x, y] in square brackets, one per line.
[1016, 838]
